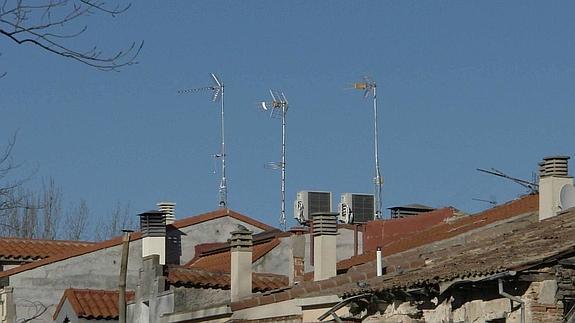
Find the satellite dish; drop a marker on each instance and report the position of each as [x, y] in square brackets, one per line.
[567, 196]
[264, 107]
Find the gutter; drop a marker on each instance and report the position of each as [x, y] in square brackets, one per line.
[512, 298]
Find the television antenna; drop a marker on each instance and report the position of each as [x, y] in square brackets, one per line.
[493, 202]
[217, 90]
[277, 108]
[368, 86]
[532, 187]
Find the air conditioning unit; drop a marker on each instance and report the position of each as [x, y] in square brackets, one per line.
[356, 208]
[310, 202]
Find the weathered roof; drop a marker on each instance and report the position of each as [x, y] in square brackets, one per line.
[201, 278]
[517, 250]
[135, 236]
[493, 249]
[92, 304]
[18, 249]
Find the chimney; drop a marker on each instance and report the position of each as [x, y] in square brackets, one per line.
[324, 241]
[169, 209]
[297, 262]
[553, 176]
[153, 227]
[241, 264]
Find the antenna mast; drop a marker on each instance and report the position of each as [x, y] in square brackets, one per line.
[278, 108]
[218, 94]
[369, 87]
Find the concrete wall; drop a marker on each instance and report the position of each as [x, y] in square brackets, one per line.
[277, 260]
[186, 299]
[44, 286]
[218, 230]
[345, 245]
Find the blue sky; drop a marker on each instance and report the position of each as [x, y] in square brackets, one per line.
[461, 85]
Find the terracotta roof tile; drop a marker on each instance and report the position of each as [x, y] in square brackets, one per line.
[220, 261]
[18, 249]
[135, 236]
[195, 277]
[92, 303]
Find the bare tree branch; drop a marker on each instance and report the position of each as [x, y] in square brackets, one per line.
[46, 24]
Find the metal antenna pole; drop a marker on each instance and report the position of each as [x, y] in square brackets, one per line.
[223, 185]
[218, 93]
[369, 87]
[278, 109]
[283, 215]
[378, 182]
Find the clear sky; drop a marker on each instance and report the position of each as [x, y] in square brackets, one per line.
[462, 84]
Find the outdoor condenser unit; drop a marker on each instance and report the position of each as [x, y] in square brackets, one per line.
[356, 208]
[310, 202]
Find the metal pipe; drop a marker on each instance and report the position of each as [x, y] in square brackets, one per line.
[123, 273]
[379, 262]
[512, 298]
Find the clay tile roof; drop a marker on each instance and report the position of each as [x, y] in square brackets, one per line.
[135, 236]
[200, 278]
[501, 250]
[92, 303]
[220, 259]
[19, 249]
[441, 231]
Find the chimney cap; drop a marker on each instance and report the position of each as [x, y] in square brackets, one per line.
[556, 157]
[152, 213]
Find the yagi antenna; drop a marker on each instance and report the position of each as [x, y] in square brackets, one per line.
[368, 86]
[532, 187]
[277, 108]
[217, 95]
[492, 202]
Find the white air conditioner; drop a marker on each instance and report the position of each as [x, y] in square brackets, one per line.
[356, 208]
[310, 202]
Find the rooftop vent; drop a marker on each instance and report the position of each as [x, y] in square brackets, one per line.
[169, 209]
[404, 211]
[153, 224]
[554, 166]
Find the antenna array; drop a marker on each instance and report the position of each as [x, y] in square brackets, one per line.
[217, 95]
[277, 108]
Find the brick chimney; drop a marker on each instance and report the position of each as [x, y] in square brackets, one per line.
[169, 209]
[324, 241]
[153, 227]
[297, 262]
[241, 264]
[553, 176]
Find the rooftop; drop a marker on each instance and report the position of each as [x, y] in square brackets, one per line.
[92, 304]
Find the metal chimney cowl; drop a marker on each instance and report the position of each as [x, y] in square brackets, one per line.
[169, 210]
[153, 227]
[553, 176]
